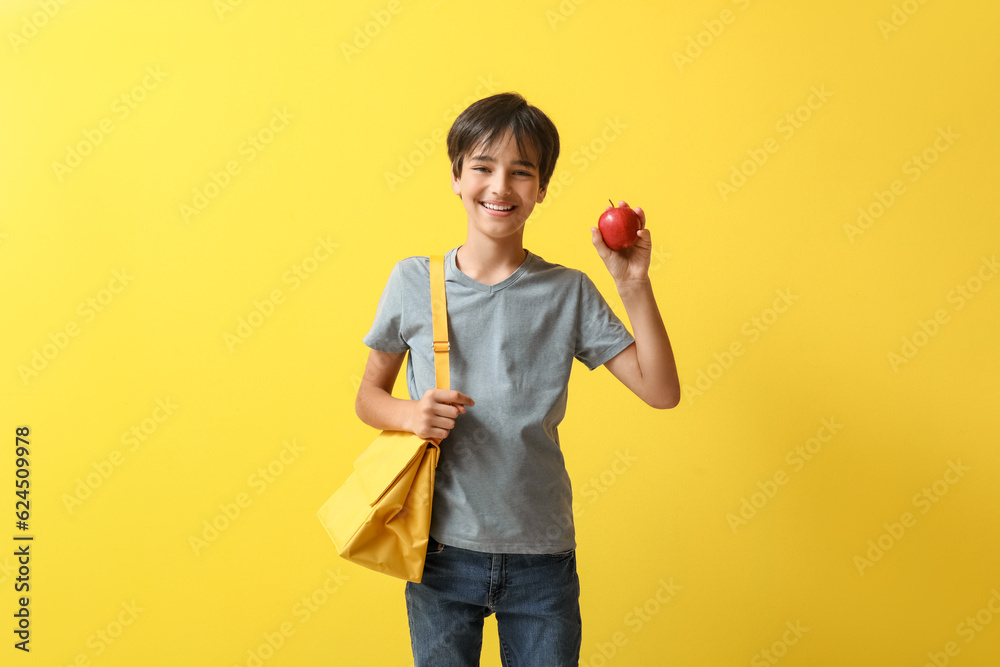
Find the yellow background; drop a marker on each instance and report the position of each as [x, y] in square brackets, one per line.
[337, 96]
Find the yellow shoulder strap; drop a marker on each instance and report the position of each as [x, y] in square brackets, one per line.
[439, 313]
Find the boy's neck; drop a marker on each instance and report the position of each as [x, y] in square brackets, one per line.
[490, 261]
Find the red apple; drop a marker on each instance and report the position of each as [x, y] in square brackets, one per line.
[619, 226]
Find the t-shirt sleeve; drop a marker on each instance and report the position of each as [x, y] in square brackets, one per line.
[602, 335]
[386, 332]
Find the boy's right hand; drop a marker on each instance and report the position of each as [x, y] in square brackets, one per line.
[433, 416]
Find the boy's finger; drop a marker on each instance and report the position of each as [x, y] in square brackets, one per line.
[451, 397]
[458, 398]
[598, 241]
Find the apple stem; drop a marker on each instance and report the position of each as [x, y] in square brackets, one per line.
[611, 202]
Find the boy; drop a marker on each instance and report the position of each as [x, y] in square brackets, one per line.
[502, 538]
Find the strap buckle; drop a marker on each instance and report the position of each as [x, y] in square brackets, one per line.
[442, 346]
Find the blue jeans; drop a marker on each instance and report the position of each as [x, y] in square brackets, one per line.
[536, 598]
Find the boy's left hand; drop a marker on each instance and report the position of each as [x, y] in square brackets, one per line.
[628, 264]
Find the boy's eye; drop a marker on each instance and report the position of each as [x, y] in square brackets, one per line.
[485, 170]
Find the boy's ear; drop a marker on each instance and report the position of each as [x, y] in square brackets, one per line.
[541, 194]
[455, 185]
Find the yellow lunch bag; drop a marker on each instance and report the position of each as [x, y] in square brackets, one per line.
[380, 518]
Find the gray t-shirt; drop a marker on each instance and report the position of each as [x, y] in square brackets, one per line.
[501, 484]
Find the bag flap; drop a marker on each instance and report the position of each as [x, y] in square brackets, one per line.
[386, 459]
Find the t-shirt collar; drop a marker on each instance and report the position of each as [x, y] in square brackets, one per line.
[455, 274]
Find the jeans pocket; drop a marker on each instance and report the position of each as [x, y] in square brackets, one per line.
[433, 546]
[561, 555]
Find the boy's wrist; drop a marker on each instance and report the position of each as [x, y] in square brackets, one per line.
[628, 287]
[408, 406]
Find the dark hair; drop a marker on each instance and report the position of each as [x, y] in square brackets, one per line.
[486, 121]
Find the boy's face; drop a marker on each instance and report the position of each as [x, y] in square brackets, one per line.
[499, 188]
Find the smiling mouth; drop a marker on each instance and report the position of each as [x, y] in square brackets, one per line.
[500, 208]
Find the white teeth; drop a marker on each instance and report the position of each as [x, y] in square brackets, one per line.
[494, 207]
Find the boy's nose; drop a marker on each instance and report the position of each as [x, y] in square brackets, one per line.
[501, 185]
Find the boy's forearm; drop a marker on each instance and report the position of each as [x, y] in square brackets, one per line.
[653, 351]
[380, 409]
